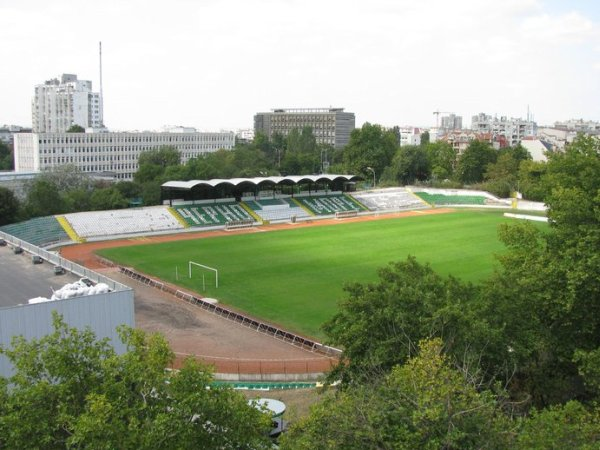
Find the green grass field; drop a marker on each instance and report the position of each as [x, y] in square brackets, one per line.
[295, 277]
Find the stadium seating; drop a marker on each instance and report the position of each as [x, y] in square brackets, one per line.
[123, 221]
[328, 204]
[40, 231]
[276, 209]
[444, 199]
[213, 214]
[392, 199]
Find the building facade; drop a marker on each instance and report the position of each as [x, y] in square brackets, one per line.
[59, 104]
[109, 153]
[329, 125]
[452, 122]
[410, 136]
[579, 126]
[513, 130]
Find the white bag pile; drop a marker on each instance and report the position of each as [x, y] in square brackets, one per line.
[77, 289]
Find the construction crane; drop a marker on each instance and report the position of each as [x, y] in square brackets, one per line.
[437, 114]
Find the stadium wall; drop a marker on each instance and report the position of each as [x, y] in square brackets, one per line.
[102, 313]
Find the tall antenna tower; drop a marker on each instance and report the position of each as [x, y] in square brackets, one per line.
[101, 94]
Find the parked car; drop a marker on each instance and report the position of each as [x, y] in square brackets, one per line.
[36, 259]
[17, 250]
[59, 270]
[2, 243]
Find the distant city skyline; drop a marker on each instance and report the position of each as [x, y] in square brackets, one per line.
[213, 65]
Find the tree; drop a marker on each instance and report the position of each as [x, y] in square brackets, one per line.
[531, 184]
[562, 426]
[369, 146]
[379, 325]
[474, 161]
[76, 129]
[442, 160]
[301, 155]
[6, 157]
[163, 157]
[425, 403]
[152, 164]
[501, 177]
[546, 294]
[67, 177]
[70, 390]
[408, 165]
[43, 198]
[107, 198]
[9, 206]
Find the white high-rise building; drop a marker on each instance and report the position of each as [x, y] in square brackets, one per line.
[58, 105]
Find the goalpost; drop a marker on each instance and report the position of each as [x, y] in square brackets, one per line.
[190, 263]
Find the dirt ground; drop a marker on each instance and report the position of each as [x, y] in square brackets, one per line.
[230, 347]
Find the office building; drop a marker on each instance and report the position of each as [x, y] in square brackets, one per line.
[329, 125]
[113, 154]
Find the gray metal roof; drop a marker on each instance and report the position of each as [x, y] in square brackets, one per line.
[294, 179]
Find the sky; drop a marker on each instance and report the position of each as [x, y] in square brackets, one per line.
[213, 64]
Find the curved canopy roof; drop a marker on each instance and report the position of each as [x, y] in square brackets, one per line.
[295, 179]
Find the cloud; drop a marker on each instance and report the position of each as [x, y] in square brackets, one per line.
[564, 29]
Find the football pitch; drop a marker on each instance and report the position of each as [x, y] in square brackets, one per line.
[295, 277]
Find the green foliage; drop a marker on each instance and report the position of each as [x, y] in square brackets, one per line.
[107, 198]
[369, 146]
[531, 185]
[410, 164]
[9, 206]
[76, 129]
[474, 161]
[376, 324]
[501, 177]
[43, 198]
[423, 404]
[6, 157]
[442, 159]
[71, 390]
[164, 156]
[560, 427]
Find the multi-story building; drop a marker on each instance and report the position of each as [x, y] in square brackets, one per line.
[410, 136]
[329, 125]
[460, 139]
[579, 125]
[59, 104]
[113, 153]
[513, 130]
[7, 132]
[452, 122]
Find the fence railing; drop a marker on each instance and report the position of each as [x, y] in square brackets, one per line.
[57, 260]
[234, 316]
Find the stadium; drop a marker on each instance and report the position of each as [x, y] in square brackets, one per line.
[242, 272]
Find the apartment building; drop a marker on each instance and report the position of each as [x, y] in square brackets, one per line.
[451, 122]
[116, 154]
[59, 104]
[329, 125]
[513, 130]
[410, 136]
